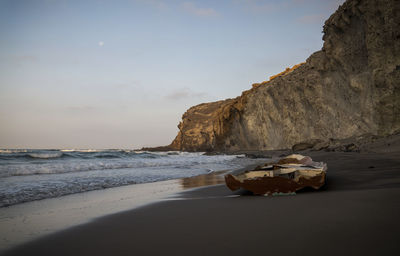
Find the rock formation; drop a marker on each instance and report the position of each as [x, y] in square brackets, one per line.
[349, 88]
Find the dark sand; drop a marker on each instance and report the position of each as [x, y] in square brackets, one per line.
[358, 213]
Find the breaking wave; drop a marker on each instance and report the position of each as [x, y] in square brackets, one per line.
[27, 175]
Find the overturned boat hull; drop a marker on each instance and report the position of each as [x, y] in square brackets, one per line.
[287, 175]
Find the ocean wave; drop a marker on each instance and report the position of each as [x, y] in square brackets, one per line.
[36, 187]
[80, 150]
[58, 162]
[45, 155]
[7, 154]
[12, 151]
[25, 179]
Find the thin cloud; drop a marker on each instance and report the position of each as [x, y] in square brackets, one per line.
[29, 58]
[327, 5]
[21, 59]
[312, 19]
[266, 6]
[184, 93]
[80, 109]
[261, 6]
[329, 2]
[190, 7]
[159, 4]
[135, 84]
[301, 1]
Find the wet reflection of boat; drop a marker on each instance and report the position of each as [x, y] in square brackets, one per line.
[212, 178]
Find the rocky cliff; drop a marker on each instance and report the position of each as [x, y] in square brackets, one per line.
[349, 88]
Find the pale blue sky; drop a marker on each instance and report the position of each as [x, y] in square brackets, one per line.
[120, 74]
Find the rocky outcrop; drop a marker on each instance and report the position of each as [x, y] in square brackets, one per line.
[349, 88]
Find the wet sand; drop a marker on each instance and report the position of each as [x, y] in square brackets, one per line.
[356, 214]
[28, 221]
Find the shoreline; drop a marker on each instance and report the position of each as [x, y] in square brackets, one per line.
[24, 222]
[28, 221]
[355, 213]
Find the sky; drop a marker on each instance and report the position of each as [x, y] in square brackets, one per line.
[102, 74]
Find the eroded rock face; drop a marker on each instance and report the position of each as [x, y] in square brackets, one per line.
[349, 88]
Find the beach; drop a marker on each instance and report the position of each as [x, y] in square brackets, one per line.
[200, 127]
[45, 191]
[355, 213]
[28, 221]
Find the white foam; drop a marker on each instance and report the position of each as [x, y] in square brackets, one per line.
[45, 155]
[20, 180]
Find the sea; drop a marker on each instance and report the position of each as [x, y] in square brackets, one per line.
[32, 174]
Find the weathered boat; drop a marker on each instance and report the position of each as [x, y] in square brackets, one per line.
[286, 175]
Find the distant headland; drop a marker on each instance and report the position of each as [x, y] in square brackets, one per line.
[348, 92]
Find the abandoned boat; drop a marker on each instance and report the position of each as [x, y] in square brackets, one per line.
[287, 175]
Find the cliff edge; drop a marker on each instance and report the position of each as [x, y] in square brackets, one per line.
[349, 88]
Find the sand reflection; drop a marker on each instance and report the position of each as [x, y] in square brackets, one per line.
[213, 178]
